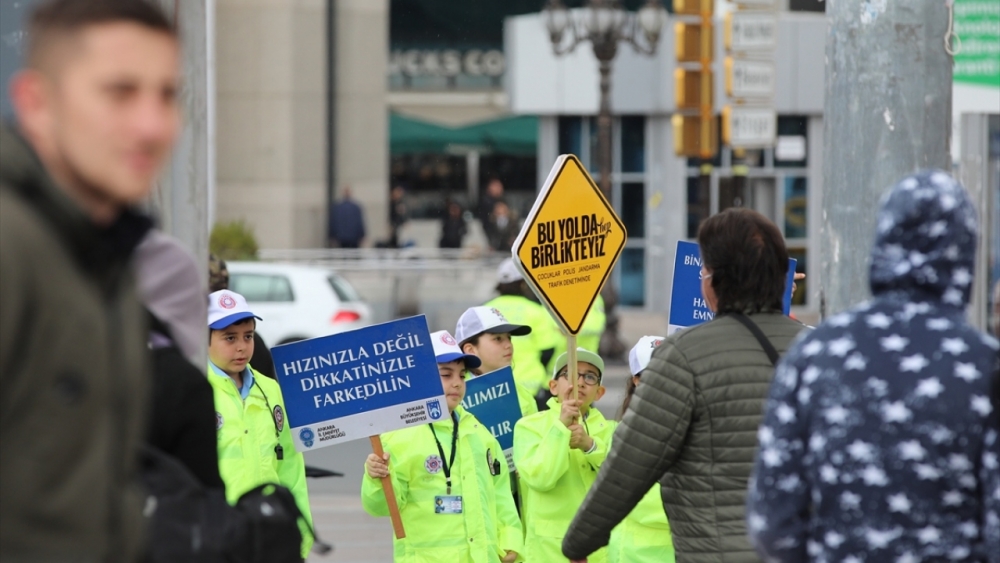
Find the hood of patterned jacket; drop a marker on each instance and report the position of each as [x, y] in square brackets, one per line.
[925, 243]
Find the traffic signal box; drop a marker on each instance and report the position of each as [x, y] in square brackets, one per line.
[695, 127]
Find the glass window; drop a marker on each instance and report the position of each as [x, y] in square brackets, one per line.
[796, 207]
[633, 211]
[730, 194]
[801, 286]
[345, 291]
[633, 277]
[806, 5]
[262, 288]
[570, 131]
[753, 158]
[699, 199]
[793, 133]
[633, 143]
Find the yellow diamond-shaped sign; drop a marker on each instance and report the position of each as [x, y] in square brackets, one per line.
[569, 243]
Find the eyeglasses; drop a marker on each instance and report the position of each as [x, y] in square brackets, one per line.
[590, 378]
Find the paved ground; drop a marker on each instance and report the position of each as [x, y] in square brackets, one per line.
[336, 503]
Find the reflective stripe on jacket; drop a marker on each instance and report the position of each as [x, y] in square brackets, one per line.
[488, 526]
[246, 432]
[555, 479]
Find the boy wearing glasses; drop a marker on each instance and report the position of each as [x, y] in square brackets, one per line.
[557, 453]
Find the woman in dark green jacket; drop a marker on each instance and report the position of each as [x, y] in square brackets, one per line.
[692, 424]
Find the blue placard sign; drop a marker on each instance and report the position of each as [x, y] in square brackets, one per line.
[360, 383]
[687, 306]
[492, 399]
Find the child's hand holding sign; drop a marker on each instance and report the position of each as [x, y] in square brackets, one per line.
[377, 467]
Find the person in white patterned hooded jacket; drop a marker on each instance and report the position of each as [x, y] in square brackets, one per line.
[879, 440]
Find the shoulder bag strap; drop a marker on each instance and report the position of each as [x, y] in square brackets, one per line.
[769, 349]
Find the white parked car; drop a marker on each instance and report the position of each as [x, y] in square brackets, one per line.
[298, 302]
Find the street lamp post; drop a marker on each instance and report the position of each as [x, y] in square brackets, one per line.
[605, 23]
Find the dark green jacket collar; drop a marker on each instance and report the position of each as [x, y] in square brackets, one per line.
[99, 250]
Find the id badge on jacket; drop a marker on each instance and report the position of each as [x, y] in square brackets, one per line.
[447, 504]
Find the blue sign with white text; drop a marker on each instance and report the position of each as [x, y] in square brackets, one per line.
[360, 383]
[687, 305]
[492, 399]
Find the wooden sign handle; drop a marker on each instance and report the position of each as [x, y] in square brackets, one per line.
[571, 364]
[390, 494]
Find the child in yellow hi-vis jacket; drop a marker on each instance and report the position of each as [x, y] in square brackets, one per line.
[450, 478]
[644, 535]
[254, 443]
[557, 453]
[486, 333]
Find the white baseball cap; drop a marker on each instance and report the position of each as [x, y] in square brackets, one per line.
[477, 320]
[446, 350]
[508, 273]
[639, 355]
[227, 307]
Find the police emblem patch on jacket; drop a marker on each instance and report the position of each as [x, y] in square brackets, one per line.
[433, 464]
[279, 417]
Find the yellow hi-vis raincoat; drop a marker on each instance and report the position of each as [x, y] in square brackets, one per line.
[488, 526]
[246, 434]
[529, 371]
[644, 535]
[555, 479]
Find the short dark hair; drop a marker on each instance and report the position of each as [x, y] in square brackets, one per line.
[66, 17]
[747, 257]
[239, 322]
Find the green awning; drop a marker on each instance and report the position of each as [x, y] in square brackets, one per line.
[510, 135]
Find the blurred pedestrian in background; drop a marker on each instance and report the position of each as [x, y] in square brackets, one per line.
[493, 194]
[96, 117]
[504, 227]
[453, 227]
[347, 222]
[398, 214]
[692, 423]
[873, 440]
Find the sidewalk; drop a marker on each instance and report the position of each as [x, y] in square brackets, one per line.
[356, 536]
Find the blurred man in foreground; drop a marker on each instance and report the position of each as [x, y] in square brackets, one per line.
[96, 116]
